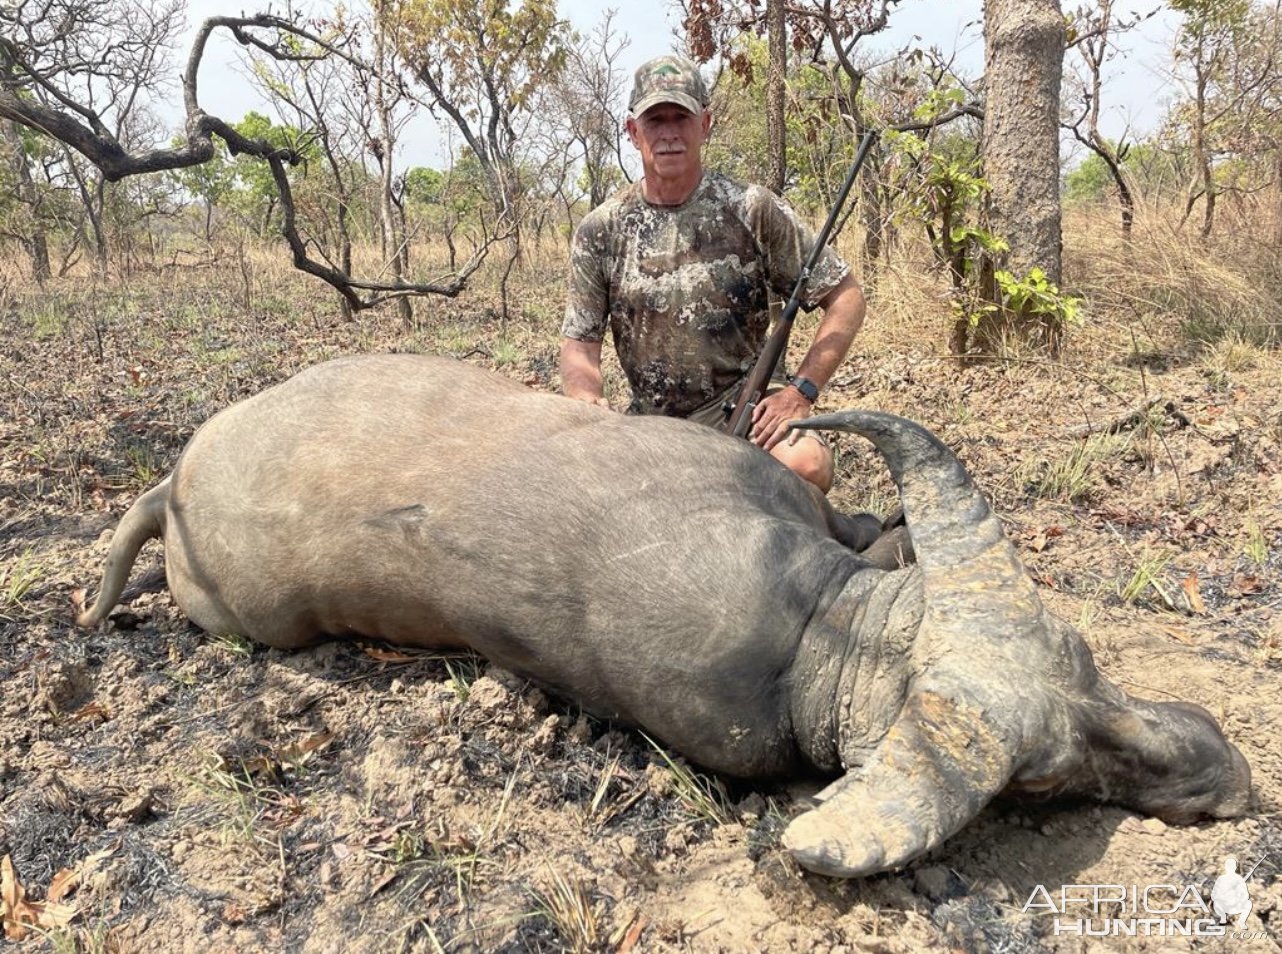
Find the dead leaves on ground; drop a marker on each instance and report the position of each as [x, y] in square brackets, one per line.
[1036, 539]
[270, 765]
[297, 753]
[1168, 526]
[21, 915]
[1193, 595]
[95, 711]
[388, 655]
[1245, 584]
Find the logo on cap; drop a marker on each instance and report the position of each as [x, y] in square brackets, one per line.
[668, 79]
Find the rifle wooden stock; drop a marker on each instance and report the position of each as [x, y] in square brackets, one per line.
[739, 414]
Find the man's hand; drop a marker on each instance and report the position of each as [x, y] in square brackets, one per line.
[843, 314]
[771, 416]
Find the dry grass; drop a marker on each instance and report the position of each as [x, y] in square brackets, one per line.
[1226, 287]
[16, 581]
[703, 796]
[1165, 281]
[567, 906]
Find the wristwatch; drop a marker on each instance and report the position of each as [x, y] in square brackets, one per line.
[809, 390]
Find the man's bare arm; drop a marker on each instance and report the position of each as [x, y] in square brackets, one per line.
[581, 371]
[844, 309]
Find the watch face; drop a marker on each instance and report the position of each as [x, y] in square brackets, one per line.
[807, 388]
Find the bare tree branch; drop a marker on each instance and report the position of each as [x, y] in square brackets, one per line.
[30, 96]
[971, 110]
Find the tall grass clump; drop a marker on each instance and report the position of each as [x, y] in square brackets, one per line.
[1171, 285]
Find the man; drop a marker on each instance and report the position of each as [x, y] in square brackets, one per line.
[679, 267]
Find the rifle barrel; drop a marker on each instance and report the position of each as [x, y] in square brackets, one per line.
[739, 415]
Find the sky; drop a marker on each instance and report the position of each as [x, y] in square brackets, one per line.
[1135, 95]
[1136, 88]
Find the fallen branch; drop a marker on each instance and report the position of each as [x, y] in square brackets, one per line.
[1134, 419]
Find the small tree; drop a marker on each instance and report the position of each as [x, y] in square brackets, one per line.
[482, 64]
[255, 195]
[108, 55]
[588, 98]
[23, 202]
[452, 202]
[1211, 28]
[1228, 53]
[945, 191]
[211, 183]
[741, 146]
[1092, 35]
[37, 59]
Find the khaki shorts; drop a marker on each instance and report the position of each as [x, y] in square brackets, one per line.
[713, 413]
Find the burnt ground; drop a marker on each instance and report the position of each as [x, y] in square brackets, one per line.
[210, 795]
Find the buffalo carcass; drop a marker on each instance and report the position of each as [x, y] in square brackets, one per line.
[672, 578]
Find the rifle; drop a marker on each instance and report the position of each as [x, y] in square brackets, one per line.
[739, 414]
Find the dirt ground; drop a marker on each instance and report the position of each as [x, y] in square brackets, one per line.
[171, 791]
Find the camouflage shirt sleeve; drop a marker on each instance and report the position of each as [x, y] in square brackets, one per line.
[786, 242]
[587, 301]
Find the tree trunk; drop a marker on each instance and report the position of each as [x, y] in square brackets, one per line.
[93, 199]
[450, 227]
[95, 205]
[1124, 197]
[514, 255]
[1024, 54]
[511, 208]
[873, 212]
[393, 236]
[265, 225]
[38, 247]
[1095, 51]
[344, 254]
[342, 214]
[35, 241]
[402, 229]
[776, 80]
[1277, 192]
[1202, 157]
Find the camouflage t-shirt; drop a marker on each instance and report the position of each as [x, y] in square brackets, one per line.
[684, 289]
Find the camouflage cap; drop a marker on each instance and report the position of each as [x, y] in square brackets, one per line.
[668, 79]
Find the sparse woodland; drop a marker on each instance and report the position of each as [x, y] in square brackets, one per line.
[1092, 321]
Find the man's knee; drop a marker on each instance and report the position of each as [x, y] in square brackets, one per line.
[808, 458]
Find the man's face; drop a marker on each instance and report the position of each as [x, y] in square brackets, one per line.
[669, 139]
